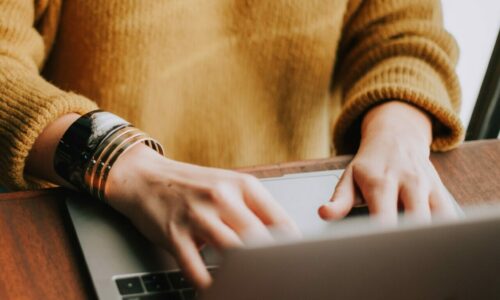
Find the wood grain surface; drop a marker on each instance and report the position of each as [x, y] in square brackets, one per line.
[40, 257]
[39, 254]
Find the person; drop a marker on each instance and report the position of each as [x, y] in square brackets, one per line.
[226, 84]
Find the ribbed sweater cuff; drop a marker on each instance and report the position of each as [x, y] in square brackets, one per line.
[27, 107]
[404, 79]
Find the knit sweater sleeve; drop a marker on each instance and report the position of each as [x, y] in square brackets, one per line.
[397, 50]
[28, 103]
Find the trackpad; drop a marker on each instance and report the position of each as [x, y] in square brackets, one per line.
[302, 194]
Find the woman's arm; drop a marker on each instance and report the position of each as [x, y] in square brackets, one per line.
[401, 98]
[179, 206]
[392, 168]
[28, 103]
[397, 50]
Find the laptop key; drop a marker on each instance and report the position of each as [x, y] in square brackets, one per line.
[358, 211]
[179, 281]
[163, 296]
[156, 282]
[130, 285]
[189, 294]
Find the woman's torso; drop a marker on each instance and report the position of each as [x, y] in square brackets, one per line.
[223, 83]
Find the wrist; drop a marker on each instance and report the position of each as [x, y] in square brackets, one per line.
[131, 172]
[397, 120]
[40, 159]
[90, 147]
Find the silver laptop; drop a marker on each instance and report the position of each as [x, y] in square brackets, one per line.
[347, 260]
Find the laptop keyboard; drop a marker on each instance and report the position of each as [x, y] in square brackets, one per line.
[153, 286]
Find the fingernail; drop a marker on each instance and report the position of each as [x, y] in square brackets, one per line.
[328, 204]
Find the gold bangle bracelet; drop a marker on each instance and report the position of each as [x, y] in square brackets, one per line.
[102, 153]
[113, 147]
[101, 186]
[110, 147]
[103, 159]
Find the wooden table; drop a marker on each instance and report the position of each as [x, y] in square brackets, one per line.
[40, 257]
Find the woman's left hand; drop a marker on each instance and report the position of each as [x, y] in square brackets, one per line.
[392, 170]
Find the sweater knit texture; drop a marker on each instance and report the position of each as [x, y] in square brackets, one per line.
[223, 83]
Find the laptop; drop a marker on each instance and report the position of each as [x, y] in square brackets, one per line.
[352, 259]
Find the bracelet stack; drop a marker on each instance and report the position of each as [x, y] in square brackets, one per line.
[90, 147]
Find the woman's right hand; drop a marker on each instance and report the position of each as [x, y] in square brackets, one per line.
[182, 206]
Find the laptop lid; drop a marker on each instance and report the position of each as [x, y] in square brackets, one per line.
[444, 260]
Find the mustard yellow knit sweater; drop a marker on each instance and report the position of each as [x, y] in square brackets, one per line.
[223, 83]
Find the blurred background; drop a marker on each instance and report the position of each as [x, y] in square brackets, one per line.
[475, 25]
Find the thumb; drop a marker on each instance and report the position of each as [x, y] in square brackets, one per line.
[342, 200]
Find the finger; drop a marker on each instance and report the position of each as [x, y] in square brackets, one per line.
[248, 227]
[441, 202]
[265, 207]
[235, 213]
[442, 205]
[415, 199]
[189, 259]
[381, 195]
[342, 200]
[210, 228]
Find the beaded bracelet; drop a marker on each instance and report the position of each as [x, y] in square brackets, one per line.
[91, 146]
